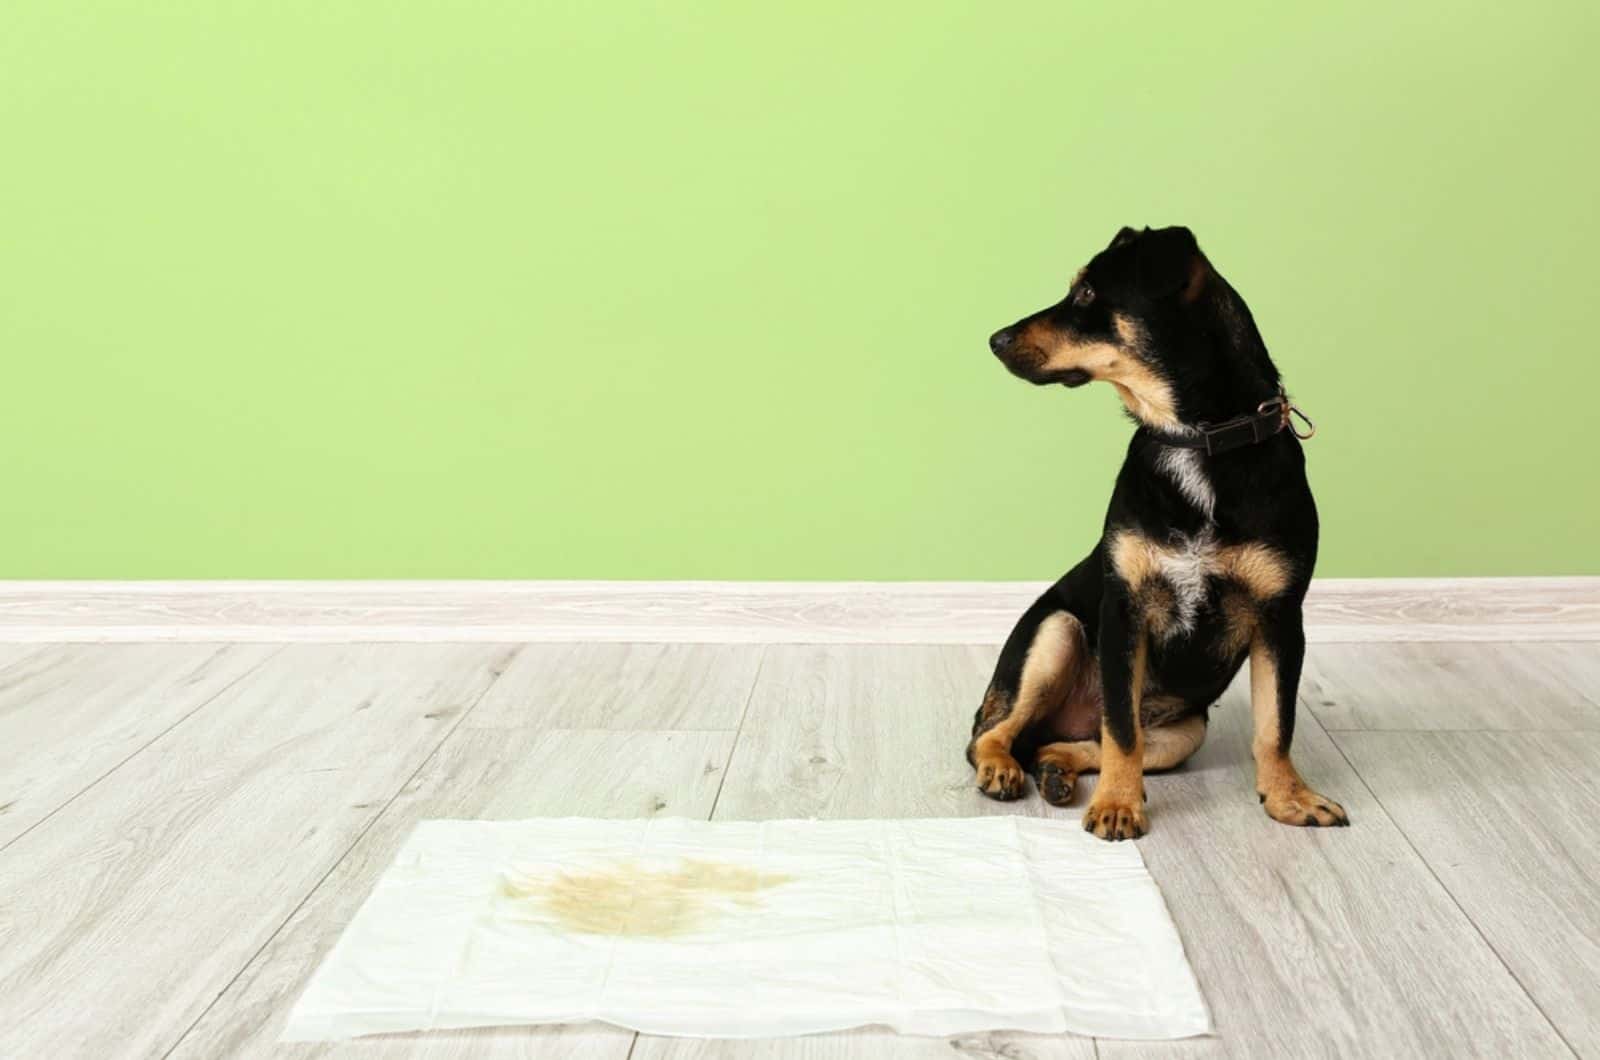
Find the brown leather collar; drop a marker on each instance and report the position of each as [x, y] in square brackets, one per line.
[1269, 418]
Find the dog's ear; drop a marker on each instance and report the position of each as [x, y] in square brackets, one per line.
[1169, 261]
[1124, 235]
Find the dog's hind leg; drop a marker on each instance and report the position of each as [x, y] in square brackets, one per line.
[1040, 665]
[1165, 746]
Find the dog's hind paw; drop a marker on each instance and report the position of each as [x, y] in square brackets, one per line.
[1056, 785]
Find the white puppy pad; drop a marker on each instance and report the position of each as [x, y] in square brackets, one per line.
[735, 929]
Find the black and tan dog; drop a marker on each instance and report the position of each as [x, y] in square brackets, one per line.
[1204, 560]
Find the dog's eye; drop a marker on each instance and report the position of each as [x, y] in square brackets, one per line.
[1083, 295]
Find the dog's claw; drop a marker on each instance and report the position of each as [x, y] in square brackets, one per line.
[1303, 807]
[1113, 820]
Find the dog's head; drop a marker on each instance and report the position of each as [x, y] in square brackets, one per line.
[1150, 316]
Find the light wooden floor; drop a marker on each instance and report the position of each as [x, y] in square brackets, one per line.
[185, 828]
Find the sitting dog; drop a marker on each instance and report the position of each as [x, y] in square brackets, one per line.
[1204, 560]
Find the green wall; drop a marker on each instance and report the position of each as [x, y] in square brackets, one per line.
[701, 290]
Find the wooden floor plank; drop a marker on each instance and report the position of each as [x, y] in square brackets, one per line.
[862, 731]
[11, 654]
[1318, 942]
[622, 686]
[1511, 687]
[69, 714]
[1507, 822]
[484, 774]
[854, 731]
[124, 916]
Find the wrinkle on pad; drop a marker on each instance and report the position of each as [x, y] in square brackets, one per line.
[734, 929]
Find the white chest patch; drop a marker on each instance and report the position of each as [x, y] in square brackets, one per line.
[1185, 565]
[1184, 468]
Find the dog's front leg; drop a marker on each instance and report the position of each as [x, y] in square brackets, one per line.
[1276, 653]
[1117, 809]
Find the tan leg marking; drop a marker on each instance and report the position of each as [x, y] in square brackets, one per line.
[1238, 624]
[1135, 557]
[1263, 571]
[1117, 809]
[1054, 658]
[1168, 746]
[1165, 746]
[1283, 794]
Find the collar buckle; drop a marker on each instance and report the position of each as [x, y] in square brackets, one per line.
[1311, 428]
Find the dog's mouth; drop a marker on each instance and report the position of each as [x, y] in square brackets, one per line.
[1068, 377]
[1027, 362]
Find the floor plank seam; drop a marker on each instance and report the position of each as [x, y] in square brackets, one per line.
[585, 730]
[356, 841]
[1442, 732]
[29, 651]
[733, 746]
[137, 751]
[1554, 1029]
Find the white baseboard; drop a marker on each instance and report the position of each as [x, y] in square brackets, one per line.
[1338, 609]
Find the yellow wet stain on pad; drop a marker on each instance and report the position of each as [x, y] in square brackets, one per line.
[754, 929]
[629, 899]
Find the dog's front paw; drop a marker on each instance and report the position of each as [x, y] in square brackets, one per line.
[1299, 805]
[999, 776]
[1116, 817]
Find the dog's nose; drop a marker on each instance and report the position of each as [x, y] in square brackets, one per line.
[1001, 340]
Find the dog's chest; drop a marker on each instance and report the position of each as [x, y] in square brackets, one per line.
[1178, 581]
[1187, 566]
[1178, 584]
